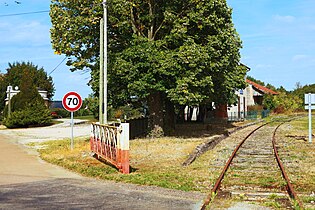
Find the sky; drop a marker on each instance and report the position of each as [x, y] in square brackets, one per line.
[27, 38]
[278, 39]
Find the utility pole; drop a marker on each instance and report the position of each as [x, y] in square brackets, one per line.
[101, 79]
[105, 62]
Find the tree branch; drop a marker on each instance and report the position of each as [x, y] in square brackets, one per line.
[151, 14]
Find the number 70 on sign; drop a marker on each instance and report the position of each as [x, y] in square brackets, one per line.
[72, 101]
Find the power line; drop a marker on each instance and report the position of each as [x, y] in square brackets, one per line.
[57, 66]
[24, 13]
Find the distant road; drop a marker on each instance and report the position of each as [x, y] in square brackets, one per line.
[54, 132]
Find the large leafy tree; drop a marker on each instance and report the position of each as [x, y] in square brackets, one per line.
[167, 53]
[3, 89]
[37, 76]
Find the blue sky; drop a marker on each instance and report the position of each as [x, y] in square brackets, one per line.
[27, 38]
[278, 41]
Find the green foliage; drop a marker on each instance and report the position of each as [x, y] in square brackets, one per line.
[92, 104]
[61, 112]
[300, 91]
[282, 103]
[186, 51]
[255, 80]
[35, 114]
[37, 76]
[84, 110]
[28, 107]
[269, 102]
[126, 112]
[3, 88]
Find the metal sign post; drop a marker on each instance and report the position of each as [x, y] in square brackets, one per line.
[309, 100]
[71, 143]
[309, 118]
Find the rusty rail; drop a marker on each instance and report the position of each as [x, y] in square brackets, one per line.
[290, 188]
[216, 187]
[226, 167]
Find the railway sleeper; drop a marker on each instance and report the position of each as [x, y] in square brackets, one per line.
[255, 195]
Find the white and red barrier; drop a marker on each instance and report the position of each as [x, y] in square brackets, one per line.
[111, 143]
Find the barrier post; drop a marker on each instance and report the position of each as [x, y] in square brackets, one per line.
[124, 147]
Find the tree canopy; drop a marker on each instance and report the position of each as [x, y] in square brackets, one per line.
[183, 52]
[27, 107]
[36, 76]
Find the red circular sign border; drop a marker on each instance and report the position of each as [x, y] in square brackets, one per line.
[66, 106]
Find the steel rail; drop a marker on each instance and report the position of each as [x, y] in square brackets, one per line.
[290, 188]
[216, 187]
[226, 167]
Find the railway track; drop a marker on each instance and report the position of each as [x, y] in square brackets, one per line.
[254, 170]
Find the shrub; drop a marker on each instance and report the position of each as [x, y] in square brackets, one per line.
[283, 103]
[255, 108]
[36, 114]
[28, 107]
[61, 112]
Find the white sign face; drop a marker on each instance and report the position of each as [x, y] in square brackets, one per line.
[309, 98]
[72, 101]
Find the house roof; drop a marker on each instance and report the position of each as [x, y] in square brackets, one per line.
[56, 104]
[261, 88]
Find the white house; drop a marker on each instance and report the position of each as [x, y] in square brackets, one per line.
[12, 92]
[252, 95]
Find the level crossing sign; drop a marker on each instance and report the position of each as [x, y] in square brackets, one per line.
[72, 101]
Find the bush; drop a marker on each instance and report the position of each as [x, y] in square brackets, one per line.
[27, 107]
[36, 114]
[125, 112]
[256, 108]
[61, 112]
[283, 103]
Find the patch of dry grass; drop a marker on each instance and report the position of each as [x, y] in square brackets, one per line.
[298, 157]
[153, 162]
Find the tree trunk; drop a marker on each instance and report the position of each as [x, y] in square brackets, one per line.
[181, 114]
[202, 113]
[156, 116]
[221, 111]
[170, 117]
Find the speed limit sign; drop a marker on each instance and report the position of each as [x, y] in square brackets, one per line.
[72, 101]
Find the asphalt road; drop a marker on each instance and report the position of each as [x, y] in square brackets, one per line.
[27, 182]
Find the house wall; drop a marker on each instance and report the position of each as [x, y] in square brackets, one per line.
[250, 95]
[239, 110]
[11, 92]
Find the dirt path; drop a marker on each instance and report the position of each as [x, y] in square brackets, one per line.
[19, 165]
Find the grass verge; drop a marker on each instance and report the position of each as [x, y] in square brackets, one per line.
[154, 162]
